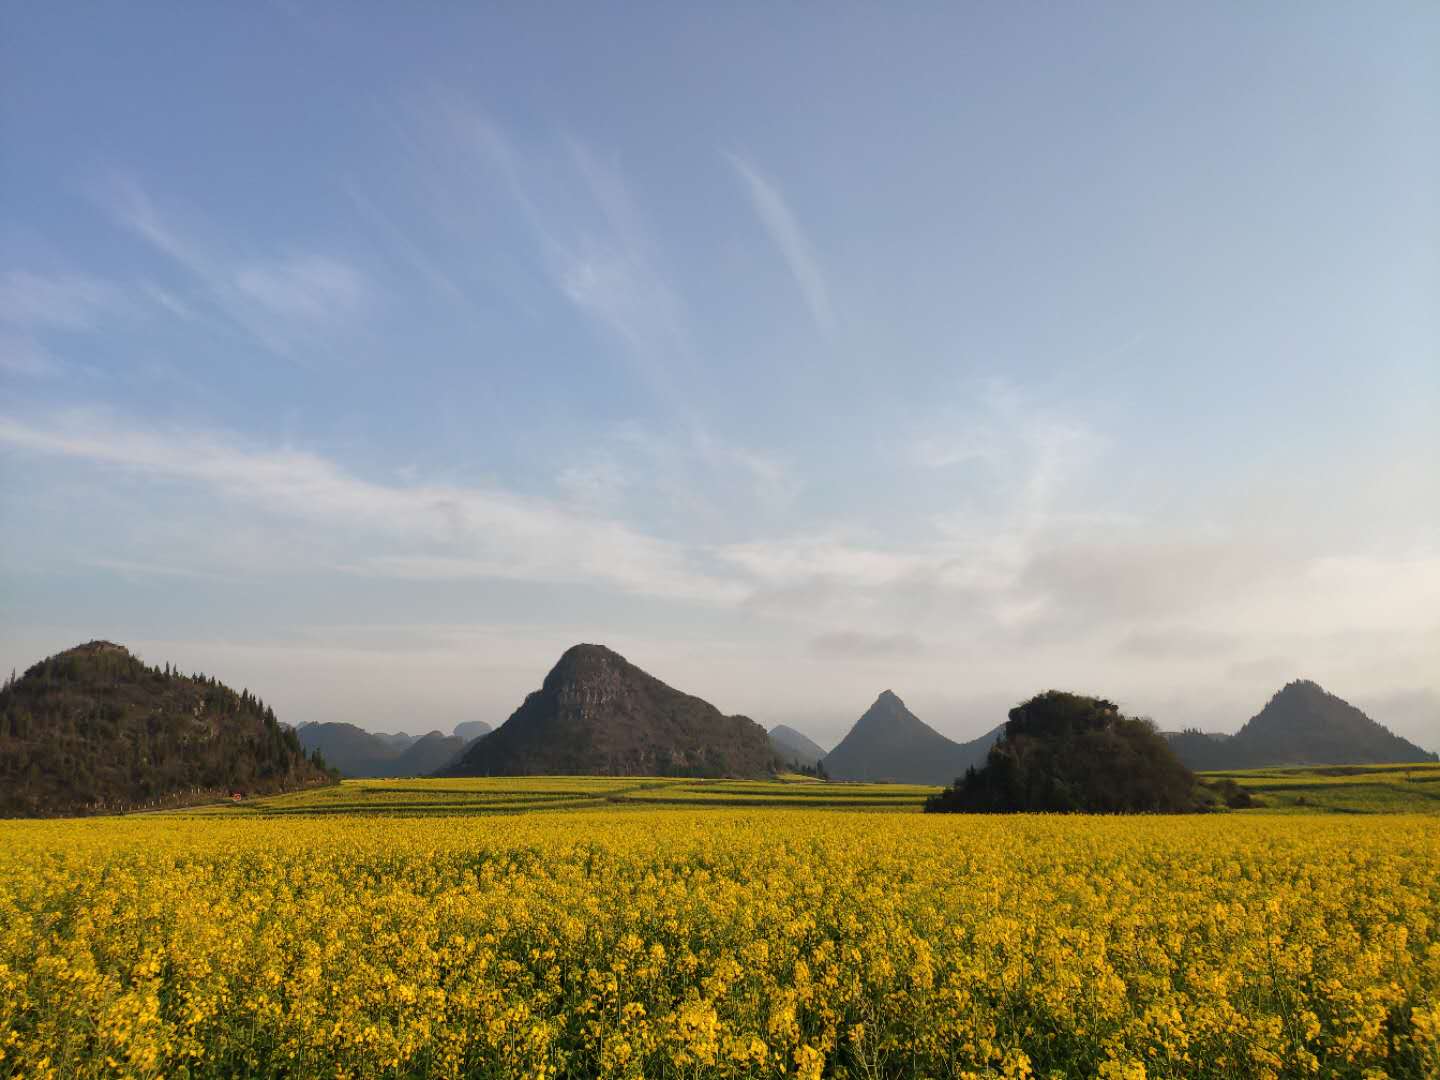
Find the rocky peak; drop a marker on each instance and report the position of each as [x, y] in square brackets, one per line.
[99, 648]
[587, 675]
[597, 713]
[888, 711]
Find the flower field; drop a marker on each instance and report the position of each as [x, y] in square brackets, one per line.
[630, 940]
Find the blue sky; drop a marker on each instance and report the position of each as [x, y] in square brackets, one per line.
[369, 358]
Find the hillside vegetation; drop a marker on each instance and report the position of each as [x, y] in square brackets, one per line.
[94, 729]
[1068, 753]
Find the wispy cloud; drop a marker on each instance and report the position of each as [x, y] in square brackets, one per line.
[132, 208]
[610, 269]
[590, 237]
[772, 482]
[291, 301]
[304, 287]
[57, 301]
[785, 232]
[599, 482]
[400, 241]
[22, 355]
[857, 645]
[711, 478]
[167, 300]
[423, 531]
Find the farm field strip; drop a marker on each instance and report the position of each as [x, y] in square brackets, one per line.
[1350, 789]
[1357, 790]
[483, 795]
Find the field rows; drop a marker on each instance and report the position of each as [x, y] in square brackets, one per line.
[1351, 789]
[493, 795]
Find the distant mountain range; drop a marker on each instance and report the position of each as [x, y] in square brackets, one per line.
[472, 729]
[891, 743]
[599, 714]
[93, 729]
[794, 748]
[358, 753]
[1301, 725]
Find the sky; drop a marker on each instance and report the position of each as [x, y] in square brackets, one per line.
[368, 356]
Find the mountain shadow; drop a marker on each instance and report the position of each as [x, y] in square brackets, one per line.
[597, 714]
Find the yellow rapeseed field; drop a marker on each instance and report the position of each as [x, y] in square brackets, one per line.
[723, 942]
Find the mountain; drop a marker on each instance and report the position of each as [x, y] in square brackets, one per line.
[599, 714]
[358, 753]
[397, 741]
[427, 754]
[352, 750]
[792, 746]
[94, 729]
[472, 729]
[1204, 751]
[1301, 725]
[891, 743]
[1067, 753]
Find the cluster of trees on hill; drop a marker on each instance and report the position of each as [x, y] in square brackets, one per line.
[94, 728]
[817, 771]
[1066, 753]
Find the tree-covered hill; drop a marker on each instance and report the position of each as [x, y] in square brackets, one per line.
[1067, 753]
[94, 729]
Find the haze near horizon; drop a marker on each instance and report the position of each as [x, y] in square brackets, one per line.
[370, 362]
